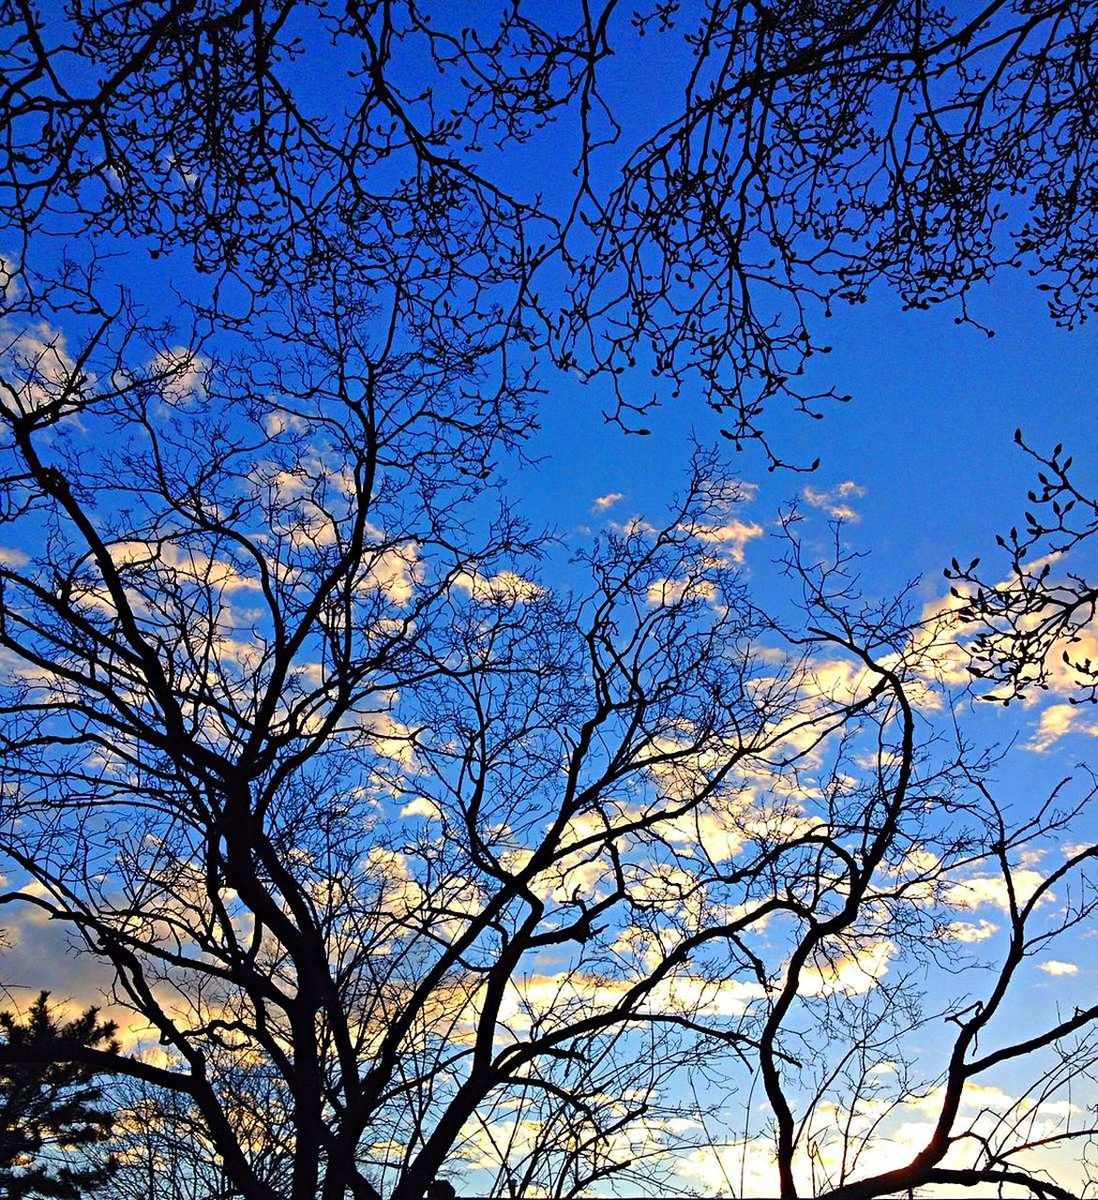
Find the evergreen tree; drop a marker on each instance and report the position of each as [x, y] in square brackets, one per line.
[52, 1123]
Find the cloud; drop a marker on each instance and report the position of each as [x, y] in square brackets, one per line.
[422, 806]
[45, 955]
[521, 1129]
[279, 421]
[719, 833]
[836, 501]
[395, 572]
[705, 997]
[851, 974]
[391, 739]
[980, 890]
[1057, 721]
[554, 1000]
[503, 588]
[968, 932]
[840, 1145]
[44, 366]
[731, 537]
[1055, 967]
[736, 1169]
[666, 592]
[602, 503]
[941, 651]
[12, 558]
[585, 872]
[181, 374]
[400, 892]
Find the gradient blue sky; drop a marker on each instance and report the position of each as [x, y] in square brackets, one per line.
[924, 455]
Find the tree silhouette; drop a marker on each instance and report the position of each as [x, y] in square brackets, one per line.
[810, 152]
[406, 858]
[400, 857]
[52, 1125]
[1032, 623]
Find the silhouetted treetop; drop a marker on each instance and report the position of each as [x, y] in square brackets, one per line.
[53, 1124]
[513, 176]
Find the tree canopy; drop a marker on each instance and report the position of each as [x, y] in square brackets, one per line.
[52, 1124]
[797, 155]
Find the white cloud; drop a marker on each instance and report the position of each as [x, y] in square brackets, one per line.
[877, 1137]
[555, 999]
[705, 997]
[968, 931]
[602, 503]
[279, 421]
[41, 356]
[395, 573]
[185, 561]
[506, 587]
[736, 1169]
[662, 592]
[851, 974]
[731, 537]
[421, 806]
[182, 374]
[836, 501]
[1057, 721]
[1055, 967]
[980, 890]
[940, 650]
[391, 739]
[720, 833]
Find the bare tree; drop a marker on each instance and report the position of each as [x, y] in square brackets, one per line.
[404, 858]
[848, 1102]
[164, 1151]
[400, 858]
[812, 152]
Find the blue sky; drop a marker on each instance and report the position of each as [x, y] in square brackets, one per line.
[928, 434]
[921, 463]
[924, 456]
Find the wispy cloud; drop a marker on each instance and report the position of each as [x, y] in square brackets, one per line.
[968, 931]
[506, 587]
[731, 537]
[604, 503]
[1057, 721]
[836, 501]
